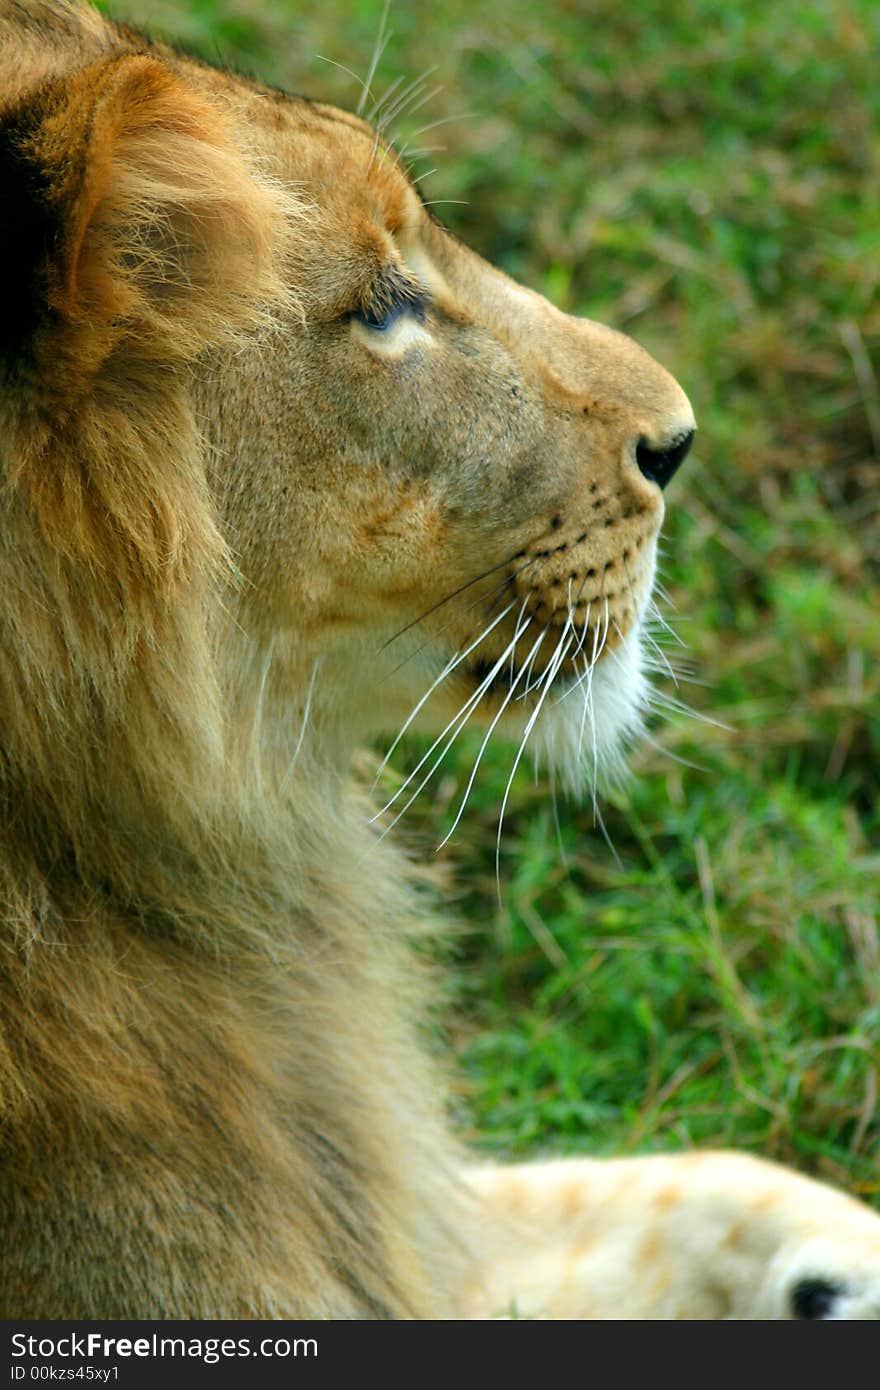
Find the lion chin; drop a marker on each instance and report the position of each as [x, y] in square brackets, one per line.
[594, 718]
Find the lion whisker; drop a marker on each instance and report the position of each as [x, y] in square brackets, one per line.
[302, 732]
[414, 93]
[505, 702]
[660, 699]
[607, 627]
[393, 99]
[673, 757]
[492, 595]
[588, 697]
[449, 597]
[373, 152]
[444, 120]
[420, 151]
[463, 714]
[562, 636]
[375, 110]
[529, 663]
[648, 635]
[513, 653]
[584, 632]
[589, 712]
[663, 664]
[658, 617]
[447, 670]
[382, 38]
[256, 760]
[342, 68]
[578, 685]
[555, 662]
[661, 590]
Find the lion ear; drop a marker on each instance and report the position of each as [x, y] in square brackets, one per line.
[131, 222]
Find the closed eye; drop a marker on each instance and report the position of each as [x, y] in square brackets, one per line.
[381, 320]
[391, 297]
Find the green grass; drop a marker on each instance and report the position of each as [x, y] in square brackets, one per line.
[705, 177]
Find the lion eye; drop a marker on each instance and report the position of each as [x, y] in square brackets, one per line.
[381, 317]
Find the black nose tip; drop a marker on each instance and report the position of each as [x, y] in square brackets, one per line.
[814, 1299]
[658, 465]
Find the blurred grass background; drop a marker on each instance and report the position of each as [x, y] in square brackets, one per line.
[704, 177]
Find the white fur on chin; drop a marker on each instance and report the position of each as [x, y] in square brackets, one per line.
[591, 720]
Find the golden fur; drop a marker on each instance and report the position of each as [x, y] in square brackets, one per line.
[227, 499]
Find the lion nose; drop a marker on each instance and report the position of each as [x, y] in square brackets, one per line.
[658, 465]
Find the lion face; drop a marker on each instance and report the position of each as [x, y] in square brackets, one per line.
[436, 471]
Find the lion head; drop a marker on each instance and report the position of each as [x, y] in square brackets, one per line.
[275, 443]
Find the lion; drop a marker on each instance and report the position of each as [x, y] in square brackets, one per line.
[286, 466]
